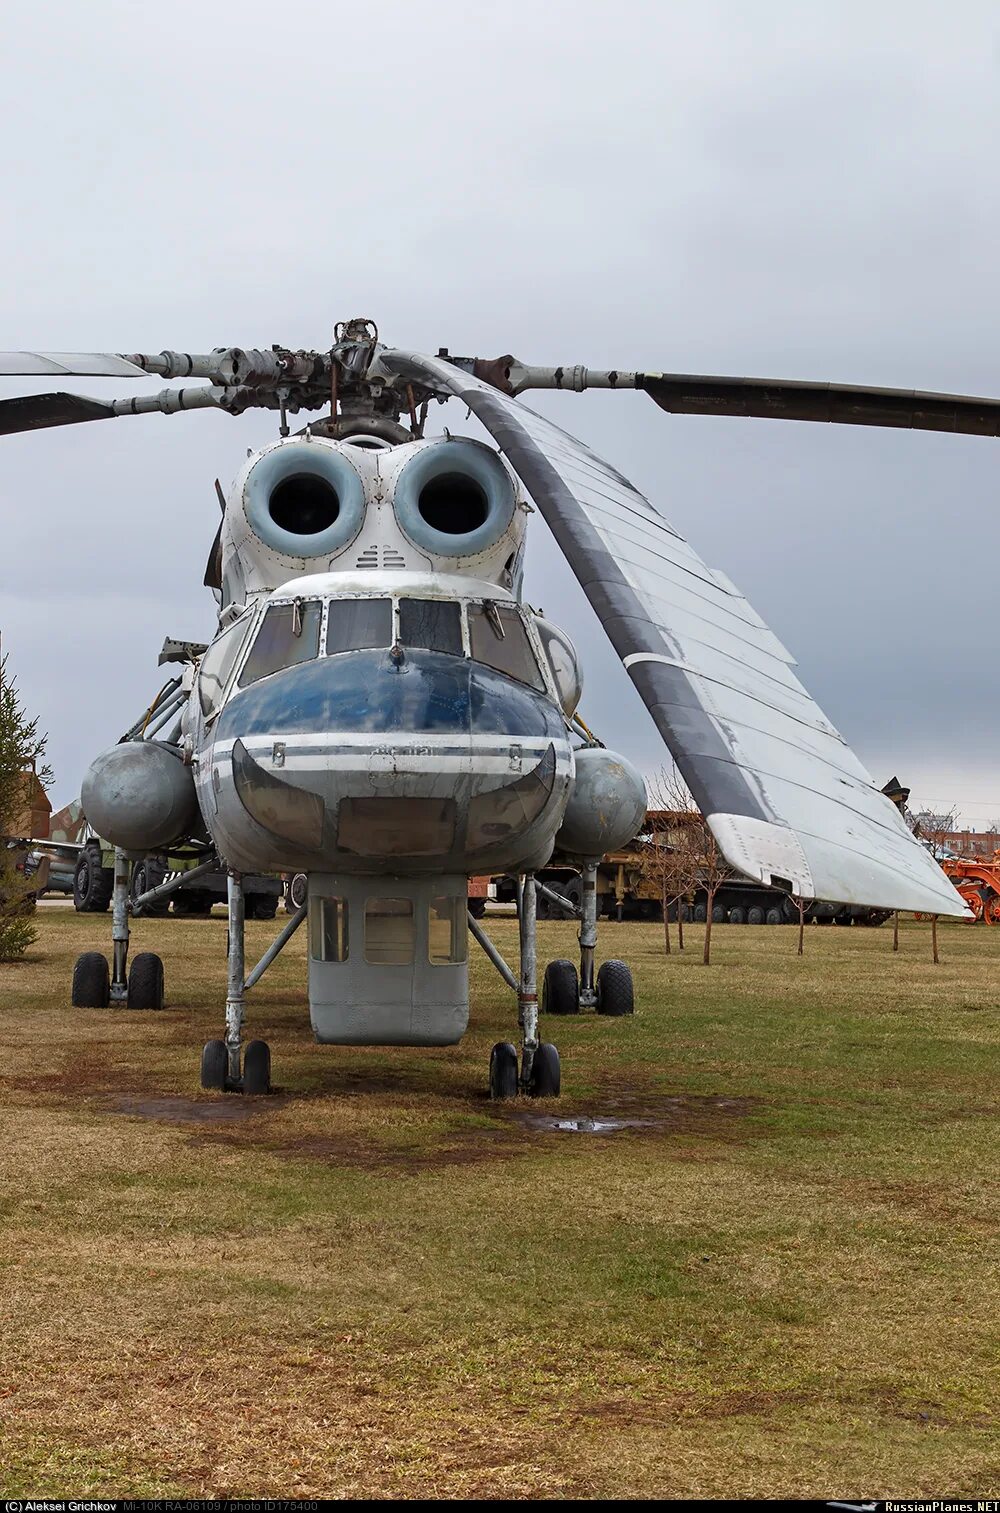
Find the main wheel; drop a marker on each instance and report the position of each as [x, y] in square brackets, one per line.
[91, 981]
[545, 1077]
[257, 1067]
[145, 982]
[92, 883]
[503, 1071]
[477, 907]
[774, 917]
[214, 1065]
[718, 914]
[755, 915]
[737, 915]
[560, 989]
[262, 906]
[615, 992]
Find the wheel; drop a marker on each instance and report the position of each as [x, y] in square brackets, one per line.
[296, 893]
[737, 915]
[545, 1079]
[148, 874]
[503, 1071]
[91, 981]
[573, 892]
[477, 907]
[615, 992]
[774, 917]
[991, 909]
[560, 989]
[92, 883]
[544, 907]
[755, 915]
[145, 982]
[262, 906]
[257, 1068]
[700, 914]
[214, 1065]
[718, 914]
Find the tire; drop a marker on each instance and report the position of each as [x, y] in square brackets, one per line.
[544, 907]
[700, 914]
[755, 915]
[145, 982]
[257, 1068]
[774, 917]
[737, 915]
[615, 990]
[148, 874]
[91, 981]
[262, 906]
[573, 891]
[92, 883]
[545, 1074]
[214, 1065]
[477, 907]
[503, 1071]
[560, 989]
[718, 914]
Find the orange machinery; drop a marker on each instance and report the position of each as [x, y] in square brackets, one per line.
[978, 881]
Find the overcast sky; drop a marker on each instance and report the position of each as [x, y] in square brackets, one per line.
[777, 189]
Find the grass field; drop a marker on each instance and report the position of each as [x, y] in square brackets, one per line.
[780, 1279]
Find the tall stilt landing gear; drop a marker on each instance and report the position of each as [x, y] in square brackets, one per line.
[221, 1067]
[610, 990]
[539, 1073]
[141, 987]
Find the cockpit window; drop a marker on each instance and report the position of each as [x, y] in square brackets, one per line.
[217, 664]
[433, 624]
[358, 624]
[289, 634]
[498, 638]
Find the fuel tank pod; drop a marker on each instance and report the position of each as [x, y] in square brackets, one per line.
[140, 796]
[607, 804]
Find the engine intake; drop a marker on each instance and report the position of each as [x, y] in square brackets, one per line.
[304, 499]
[454, 498]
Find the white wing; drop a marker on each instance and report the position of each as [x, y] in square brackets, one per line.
[786, 798]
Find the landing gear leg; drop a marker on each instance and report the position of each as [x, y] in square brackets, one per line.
[119, 929]
[588, 935]
[220, 1060]
[539, 1060]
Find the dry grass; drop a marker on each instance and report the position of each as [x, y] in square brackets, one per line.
[781, 1281]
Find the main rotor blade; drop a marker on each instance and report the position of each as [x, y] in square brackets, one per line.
[35, 412]
[786, 799]
[65, 364]
[841, 404]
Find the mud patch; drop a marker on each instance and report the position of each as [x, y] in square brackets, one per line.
[233, 1110]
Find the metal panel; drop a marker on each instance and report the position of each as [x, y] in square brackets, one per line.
[784, 795]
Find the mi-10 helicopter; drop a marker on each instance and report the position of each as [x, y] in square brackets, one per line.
[380, 711]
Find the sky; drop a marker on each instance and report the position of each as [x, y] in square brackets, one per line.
[777, 190]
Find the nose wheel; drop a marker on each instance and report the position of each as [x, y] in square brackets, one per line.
[542, 1079]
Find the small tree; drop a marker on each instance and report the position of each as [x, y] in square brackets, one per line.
[667, 853]
[21, 751]
[713, 871]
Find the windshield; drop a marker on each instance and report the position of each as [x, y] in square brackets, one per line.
[358, 624]
[497, 637]
[217, 664]
[289, 634]
[433, 624]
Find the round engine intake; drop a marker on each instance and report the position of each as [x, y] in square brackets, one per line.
[304, 499]
[454, 498]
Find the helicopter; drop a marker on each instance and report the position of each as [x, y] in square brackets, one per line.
[380, 713]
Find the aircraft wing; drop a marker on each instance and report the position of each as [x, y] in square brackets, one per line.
[784, 796]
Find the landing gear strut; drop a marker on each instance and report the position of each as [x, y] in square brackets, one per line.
[94, 987]
[220, 1060]
[610, 992]
[539, 1076]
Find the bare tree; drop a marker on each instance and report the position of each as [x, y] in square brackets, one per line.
[713, 870]
[670, 858]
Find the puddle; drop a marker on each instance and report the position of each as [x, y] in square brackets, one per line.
[683, 1114]
[583, 1125]
[229, 1110]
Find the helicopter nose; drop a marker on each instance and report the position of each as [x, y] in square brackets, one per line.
[426, 759]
